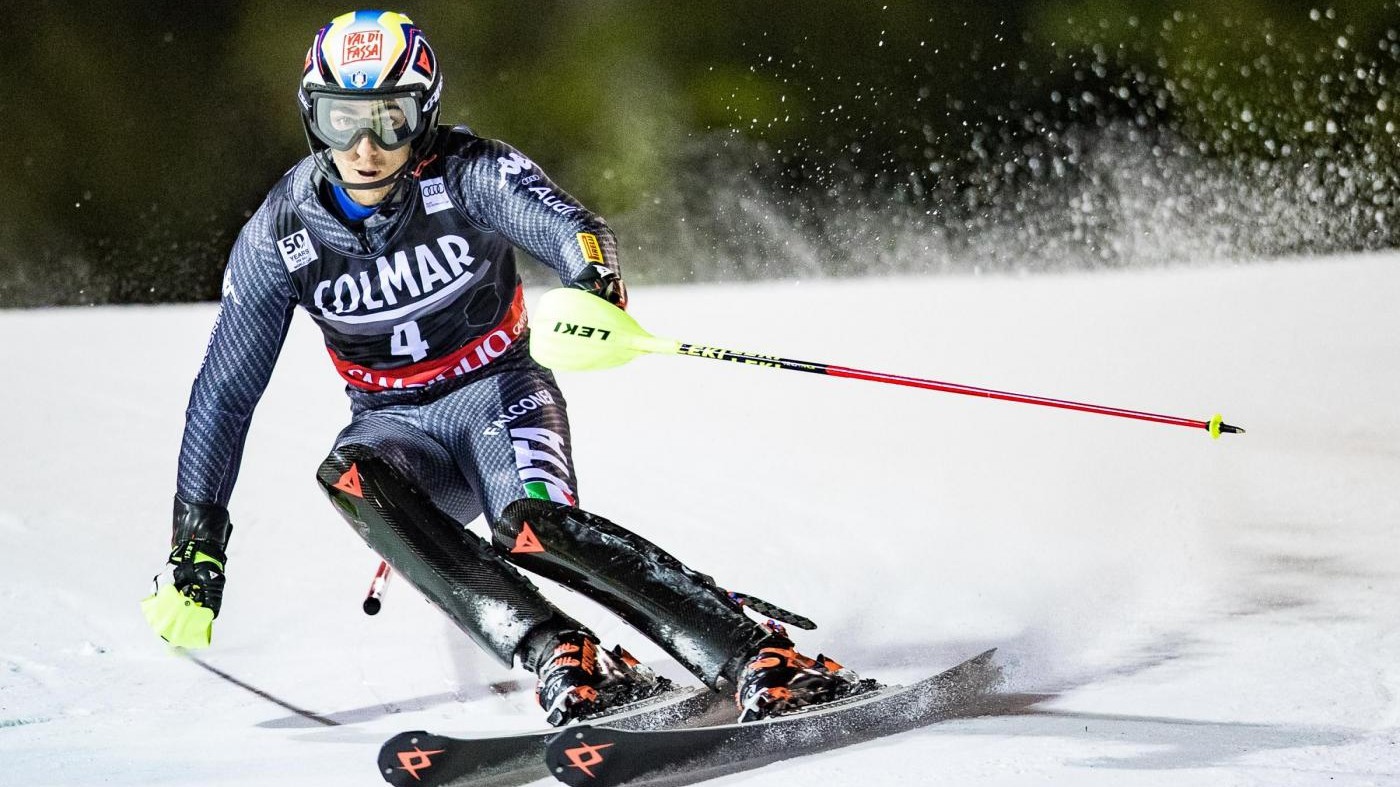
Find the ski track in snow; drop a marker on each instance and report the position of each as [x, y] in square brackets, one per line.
[1169, 610]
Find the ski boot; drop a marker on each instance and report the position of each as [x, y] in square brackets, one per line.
[580, 680]
[780, 680]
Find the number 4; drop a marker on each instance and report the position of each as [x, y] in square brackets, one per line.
[407, 341]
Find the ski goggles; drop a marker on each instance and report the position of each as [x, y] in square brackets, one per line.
[390, 121]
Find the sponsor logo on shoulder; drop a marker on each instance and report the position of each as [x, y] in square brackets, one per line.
[514, 164]
[558, 205]
[435, 197]
[296, 250]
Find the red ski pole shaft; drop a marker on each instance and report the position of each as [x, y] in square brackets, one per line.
[1215, 425]
[376, 590]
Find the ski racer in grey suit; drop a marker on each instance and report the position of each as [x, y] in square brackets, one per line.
[397, 236]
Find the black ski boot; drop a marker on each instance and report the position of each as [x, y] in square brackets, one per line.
[579, 680]
[780, 680]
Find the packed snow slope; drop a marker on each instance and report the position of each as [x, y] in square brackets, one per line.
[1171, 610]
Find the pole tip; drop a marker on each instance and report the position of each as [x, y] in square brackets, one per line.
[1217, 427]
[371, 606]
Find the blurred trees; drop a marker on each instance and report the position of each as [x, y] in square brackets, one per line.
[879, 136]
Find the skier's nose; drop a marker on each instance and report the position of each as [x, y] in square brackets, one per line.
[365, 147]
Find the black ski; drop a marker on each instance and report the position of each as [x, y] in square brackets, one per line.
[425, 760]
[600, 756]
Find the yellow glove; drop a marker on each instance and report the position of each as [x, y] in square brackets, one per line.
[183, 608]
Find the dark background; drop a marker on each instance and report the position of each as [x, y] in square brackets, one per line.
[736, 139]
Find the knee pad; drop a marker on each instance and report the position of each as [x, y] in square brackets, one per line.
[677, 608]
[453, 568]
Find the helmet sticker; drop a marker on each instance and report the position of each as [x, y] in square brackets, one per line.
[361, 45]
[423, 63]
[362, 48]
[433, 99]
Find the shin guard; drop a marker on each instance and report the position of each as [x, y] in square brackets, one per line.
[452, 567]
[677, 608]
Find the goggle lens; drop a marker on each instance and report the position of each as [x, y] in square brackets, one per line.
[391, 122]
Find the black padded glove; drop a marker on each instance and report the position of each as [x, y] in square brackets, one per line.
[603, 282]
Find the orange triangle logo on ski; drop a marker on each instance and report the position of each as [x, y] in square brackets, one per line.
[526, 541]
[350, 482]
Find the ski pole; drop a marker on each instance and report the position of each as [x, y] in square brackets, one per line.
[580, 331]
[376, 590]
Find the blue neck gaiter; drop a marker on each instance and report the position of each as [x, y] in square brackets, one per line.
[349, 208]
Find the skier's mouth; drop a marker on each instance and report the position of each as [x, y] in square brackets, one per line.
[367, 174]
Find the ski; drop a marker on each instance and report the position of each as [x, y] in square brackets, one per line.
[601, 756]
[425, 760]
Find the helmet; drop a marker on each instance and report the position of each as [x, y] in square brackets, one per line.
[369, 73]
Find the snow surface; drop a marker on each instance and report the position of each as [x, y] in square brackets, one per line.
[1172, 610]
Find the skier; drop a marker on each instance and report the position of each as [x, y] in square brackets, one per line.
[396, 235]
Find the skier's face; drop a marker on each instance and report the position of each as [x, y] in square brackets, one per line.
[366, 162]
